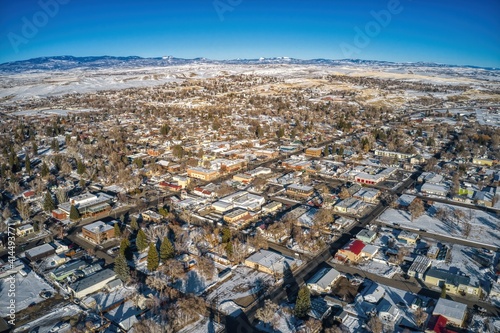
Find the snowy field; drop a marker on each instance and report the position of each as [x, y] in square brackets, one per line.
[284, 321]
[48, 112]
[204, 325]
[28, 289]
[244, 282]
[485, 228]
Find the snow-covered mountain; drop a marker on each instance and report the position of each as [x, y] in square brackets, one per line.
[102, 62]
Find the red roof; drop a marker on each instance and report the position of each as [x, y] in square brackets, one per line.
[355, 246]
[440, 325]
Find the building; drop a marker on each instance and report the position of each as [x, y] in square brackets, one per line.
[202, 173]
[236, 215]
[271, 262]
[483, 161]
[24, 230]
[245, 200]
[150, 215]
[66, 270]
[297, 190]
[323, 280]
[370, 195]
[314, 152]
[243, 178]
[351, 251]
[366, 236]
[419, 267]
[98, 232]
[453, 283]
[350, 206]
[393, 154]
[272, 207]
[40, 252]
[435, 189]
[454, 312]
[87, 204]
[408, 237]
[91, 284]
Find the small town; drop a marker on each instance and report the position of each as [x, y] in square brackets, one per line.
[253, 203]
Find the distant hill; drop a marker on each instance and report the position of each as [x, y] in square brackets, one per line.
[63, 63]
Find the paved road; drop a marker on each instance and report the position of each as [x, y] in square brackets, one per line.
[416, 287]
[457, 203]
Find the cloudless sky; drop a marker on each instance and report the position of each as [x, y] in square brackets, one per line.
[459, 32]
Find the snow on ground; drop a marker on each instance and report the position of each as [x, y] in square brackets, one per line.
[104, 299]
[480, 324]
[204, 325]
[484, 226]
[48, 112]
[47, 322]
[194, 283]
[244, 282]
[125, 314]
[462, 261]
[380, 269]
[284, 321]
[27, 291]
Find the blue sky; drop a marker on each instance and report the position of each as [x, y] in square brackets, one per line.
[454, 32]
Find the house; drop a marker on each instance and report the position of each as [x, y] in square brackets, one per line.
[271, 262]
[350, 206]
[91, 284]
[98, 232]
[351, 251]
[366, 236]
[323, 280]
[408, 237]
[40, 252]
[485, 197]
[370, 195]
[297, 190]
[372, 179]
[433, 252]
[152, 216]
[453, 283]
[202, 173]
[319, 309]
[24, 230]
[419, 266]
[66, 270]
[170, 186]
[454, 312]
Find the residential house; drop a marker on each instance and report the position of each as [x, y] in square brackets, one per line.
[272, 207]
[236, 215]
[366, 236]
[314, 152]
[483, 161]
[370, 195]
[454, 312]
[453, 283]
[24, 230]
[408, 237]
[351, 251]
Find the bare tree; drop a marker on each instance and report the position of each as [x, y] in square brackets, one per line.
[61, 195]
[420, 316]
[375, 324]
[267, 312]
[416, 208]
[24, 209]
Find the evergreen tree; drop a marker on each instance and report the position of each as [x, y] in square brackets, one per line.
[80, 167]
[226, 235]
[121, 268]
[48, 202]
[141, 241]
[118, 232]
[45, 170]
[35, 148]
[326, 151]
[166, 250]
[303, 304]
[125, 249]
[133, 223]
[229, 249]
[139, 163]
[153, 258]
[74, 214]
[27, 164]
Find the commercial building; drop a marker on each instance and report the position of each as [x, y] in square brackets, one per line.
[91, 284]
[323, 280]
[314, 152]
[453, 283]
[454, 312]
[297, 190]
[40, 252]
[98, 232]
[202, 173]
[419, 266]
[271, 262]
